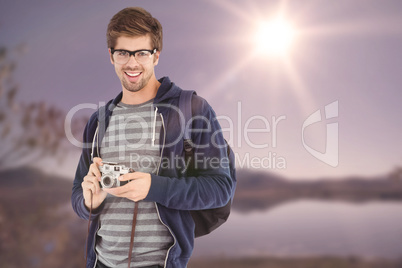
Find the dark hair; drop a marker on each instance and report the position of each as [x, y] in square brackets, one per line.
[134, 21]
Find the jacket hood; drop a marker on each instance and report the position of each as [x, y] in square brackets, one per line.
[166, 91]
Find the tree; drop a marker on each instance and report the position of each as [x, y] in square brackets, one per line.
[28, 131]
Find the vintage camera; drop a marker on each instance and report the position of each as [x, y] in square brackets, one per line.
[110, 174]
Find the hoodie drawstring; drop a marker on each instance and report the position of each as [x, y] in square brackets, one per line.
[93, 142]
[154, 126]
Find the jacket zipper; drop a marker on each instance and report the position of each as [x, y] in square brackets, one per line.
[157, 172]
[96, 255]
[94, 247]
[163, 144]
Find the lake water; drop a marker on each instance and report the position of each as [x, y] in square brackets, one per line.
[310, 228]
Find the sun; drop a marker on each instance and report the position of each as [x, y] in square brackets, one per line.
[274, 38]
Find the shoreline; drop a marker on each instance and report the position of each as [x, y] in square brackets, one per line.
[293, 262]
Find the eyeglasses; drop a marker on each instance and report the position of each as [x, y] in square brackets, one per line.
[122, 56]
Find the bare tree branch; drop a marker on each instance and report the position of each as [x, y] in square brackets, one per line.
[28, 130]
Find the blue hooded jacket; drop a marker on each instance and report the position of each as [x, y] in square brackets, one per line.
[174, 193]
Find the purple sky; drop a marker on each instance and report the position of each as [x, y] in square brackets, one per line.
[346, 51]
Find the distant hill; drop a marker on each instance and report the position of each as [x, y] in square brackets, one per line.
[258, 190]
[23, 188]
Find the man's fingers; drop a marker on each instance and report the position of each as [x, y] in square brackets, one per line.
[88, 186]
[132, 176]
[125, 177]
[94, 170]
[135, 190]
[92, 183]
[124, 191]
[94, 174]
[98, 161]
[118, 191]
[94, 167]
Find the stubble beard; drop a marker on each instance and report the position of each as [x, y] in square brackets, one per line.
[135, 87]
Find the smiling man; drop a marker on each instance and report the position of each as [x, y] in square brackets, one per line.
[135, 73]
[146, 222]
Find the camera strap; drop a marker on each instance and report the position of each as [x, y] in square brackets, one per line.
[89, 224]
[130, 252]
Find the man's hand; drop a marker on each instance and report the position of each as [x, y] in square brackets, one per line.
[137, 189]
[91, 185]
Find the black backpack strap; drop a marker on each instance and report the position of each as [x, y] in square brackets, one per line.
[205, 220]
[186, 110]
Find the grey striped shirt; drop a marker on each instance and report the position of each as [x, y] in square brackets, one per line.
[132, 139]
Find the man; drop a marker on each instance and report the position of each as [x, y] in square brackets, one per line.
[140, 129]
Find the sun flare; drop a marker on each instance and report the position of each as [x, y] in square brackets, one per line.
[274, 37]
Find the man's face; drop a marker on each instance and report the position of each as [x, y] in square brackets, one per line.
[135, 76]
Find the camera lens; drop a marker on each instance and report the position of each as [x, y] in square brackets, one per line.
[107, 181]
